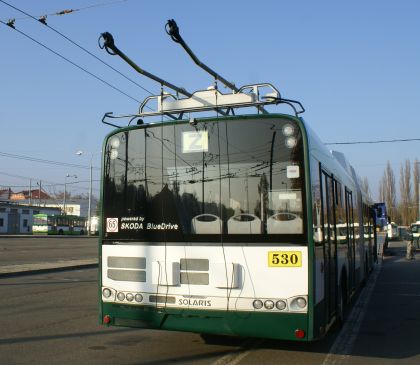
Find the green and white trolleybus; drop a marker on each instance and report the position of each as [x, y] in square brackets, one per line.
[58, 224]
[243, 225]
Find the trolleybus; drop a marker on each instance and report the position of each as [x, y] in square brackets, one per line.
[381, 216]
[58, 224]
[242, 225]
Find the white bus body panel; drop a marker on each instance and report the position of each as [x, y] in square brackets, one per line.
[245, 277]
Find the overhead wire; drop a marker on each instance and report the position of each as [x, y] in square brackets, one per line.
[374, 142]
[70, 10]
[41, 160]
[71, 62]
[50, 184]
[77, 45]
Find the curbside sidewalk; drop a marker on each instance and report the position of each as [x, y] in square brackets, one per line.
[44, 267]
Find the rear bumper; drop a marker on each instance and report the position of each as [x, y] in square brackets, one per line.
[247, 324]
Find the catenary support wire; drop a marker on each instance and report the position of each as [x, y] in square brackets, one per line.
[70, 61]
[11, 23]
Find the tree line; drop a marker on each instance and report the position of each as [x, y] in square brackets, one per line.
[402, 205]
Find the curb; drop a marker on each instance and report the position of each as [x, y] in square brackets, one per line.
[14, 236]
[16, 271]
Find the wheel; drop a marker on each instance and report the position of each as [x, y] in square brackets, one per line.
[60, 232]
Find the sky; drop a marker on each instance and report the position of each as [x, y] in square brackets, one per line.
[354, 65]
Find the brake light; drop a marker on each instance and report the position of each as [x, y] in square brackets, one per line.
[300, 333]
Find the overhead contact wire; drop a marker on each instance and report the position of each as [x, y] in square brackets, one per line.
[71, 62]
[78, 45]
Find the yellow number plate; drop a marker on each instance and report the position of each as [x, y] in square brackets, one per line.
[284, 259]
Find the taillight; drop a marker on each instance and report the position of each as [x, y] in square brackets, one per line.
[300, 333]
[107, 319]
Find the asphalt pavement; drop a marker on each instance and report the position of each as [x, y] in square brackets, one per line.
[388, 332]
[25, 255]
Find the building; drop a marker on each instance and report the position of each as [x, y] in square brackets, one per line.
[17, 208]
[18, 218]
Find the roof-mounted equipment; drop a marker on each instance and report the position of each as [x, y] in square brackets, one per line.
[109, 46]
[172, 30]
[175, 106]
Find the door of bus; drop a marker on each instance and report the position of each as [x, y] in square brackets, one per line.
[330, 244]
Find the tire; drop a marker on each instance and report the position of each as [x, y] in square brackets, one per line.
[60, 232]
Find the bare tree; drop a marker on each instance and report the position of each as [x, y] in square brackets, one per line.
[365, 185]
[405, 191]
[381, 190]
[389, 190]
[416, 182]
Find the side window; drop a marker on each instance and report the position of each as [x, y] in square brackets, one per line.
[349, 215]
[341, 222]
[316, 201]
[327, 211]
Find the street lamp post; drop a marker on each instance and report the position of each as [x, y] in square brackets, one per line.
[79, 153]
[65, 190]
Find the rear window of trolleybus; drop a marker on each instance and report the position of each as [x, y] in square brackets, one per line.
[239, 180]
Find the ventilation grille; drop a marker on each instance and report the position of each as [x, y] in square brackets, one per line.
[127, 268]
[195, 271]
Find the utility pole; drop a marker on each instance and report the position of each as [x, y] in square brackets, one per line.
[30, 191]
[80, 153]
[90, 197]
[65, 190]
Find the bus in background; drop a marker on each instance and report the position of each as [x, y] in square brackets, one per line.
[94, 225]
[415, 232]
[381, 217]
[58, 224]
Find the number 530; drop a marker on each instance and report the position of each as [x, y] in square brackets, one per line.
[285, 259]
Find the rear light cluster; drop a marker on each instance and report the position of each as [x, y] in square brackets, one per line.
[296, 304]
[127, 297]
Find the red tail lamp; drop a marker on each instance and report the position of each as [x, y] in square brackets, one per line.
[107, 319]
[300, 333]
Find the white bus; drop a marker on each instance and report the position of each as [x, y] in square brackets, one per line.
[58, 224]
[244, 225]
